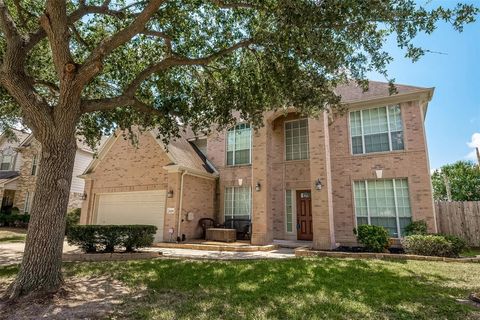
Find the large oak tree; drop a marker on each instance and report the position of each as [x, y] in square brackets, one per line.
[89, 66]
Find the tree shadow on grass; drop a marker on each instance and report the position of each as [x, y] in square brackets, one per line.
[289, 289]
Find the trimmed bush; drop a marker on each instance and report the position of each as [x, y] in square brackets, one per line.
[428, 245]
[106, 238]
[458, 244]
[416, 227]
[434, 245]
[73, 218]
[14, 220]
[373, 238]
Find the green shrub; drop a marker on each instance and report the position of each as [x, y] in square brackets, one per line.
[106, 238]
[428, 245]
[373, 238]
[73, 218]
[416, 227]
[458, 244]
[14, 220]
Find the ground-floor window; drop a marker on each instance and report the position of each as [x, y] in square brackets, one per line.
[238, 203]
[289, 210]
[383, 203]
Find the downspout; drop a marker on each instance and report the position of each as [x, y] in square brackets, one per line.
[180, 206]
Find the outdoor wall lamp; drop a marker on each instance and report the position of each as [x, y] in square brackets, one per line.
[318, 184]
[258, 186]
[83, 196]
[170, 194]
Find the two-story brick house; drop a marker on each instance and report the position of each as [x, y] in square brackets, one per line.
[20, 162]
[294, 178]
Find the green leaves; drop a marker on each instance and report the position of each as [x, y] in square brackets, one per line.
[463, 179]
[301, 50]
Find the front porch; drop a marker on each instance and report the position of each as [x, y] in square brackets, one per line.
[199, 244]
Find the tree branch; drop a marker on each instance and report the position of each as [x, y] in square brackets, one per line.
[93, 64]
[128, 97]
[178, 61]
[234, 5]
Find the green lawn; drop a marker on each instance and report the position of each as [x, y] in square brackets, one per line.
[12, 235]
[472, 252]
[290, 289]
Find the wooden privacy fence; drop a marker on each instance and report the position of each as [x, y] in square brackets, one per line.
[460, 218]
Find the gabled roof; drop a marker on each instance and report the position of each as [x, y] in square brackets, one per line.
[19, 135]
[81, 145]
[179, 151]
[182, 153]
[352, 92]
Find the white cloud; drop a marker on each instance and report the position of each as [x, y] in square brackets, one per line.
[474, 143]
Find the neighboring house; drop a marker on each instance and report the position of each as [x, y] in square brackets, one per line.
[295, 178]
[20, 162]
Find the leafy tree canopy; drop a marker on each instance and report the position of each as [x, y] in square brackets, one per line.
[463, 178]
[160, 63]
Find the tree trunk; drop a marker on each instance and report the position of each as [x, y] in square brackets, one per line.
[40, 271]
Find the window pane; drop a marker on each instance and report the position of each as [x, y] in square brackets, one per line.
[355, 124]
[357, 146]
[397, 140]
[289, 210]
[376, 143]
[388, 223]
[239, 144]
[360, 199]
[375, 120]
[395, 118]
[296, 140]
[241, 203]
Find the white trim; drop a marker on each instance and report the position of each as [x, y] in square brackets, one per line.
[294, 211]
[234, 128]
[388, 132]
[174, 168]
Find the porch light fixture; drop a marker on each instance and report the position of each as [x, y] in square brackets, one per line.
[258, 186]
[318, 184]
[170, 194]
[83, 196]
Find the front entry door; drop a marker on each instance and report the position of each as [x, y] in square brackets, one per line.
[304, 215]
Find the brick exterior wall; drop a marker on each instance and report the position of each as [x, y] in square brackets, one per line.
[125, 168]
[330, 161]
[411, 163]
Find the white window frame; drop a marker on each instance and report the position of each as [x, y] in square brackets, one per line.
[11, 163]
[389, 132]
[34, 165]
[285, 140]
[231, 216]
[234, 128]
[28, 202]
[294, 211]
[397, 218]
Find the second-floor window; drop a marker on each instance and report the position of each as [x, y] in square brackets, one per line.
[34, 165]
[376, 130]
[296, 140]
[7, 163]
[239, 145]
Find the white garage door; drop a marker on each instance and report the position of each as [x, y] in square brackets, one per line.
[141, 207]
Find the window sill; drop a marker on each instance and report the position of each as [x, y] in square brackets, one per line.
[378, 153]
[238, 165]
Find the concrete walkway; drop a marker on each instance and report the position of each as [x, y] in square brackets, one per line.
[11, 253]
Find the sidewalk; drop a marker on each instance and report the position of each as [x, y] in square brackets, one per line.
[11, 253]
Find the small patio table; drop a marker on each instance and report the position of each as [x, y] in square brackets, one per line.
[221, 234]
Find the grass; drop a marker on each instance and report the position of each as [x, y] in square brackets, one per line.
[290, 289]
[471, 252]
[12, 235]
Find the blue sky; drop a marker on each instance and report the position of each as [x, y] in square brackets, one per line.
[453, 117]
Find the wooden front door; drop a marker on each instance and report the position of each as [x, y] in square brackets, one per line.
[304, 215]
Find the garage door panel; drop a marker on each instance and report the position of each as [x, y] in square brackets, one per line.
[142, 207]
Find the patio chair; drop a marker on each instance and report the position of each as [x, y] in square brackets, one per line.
[206, 223]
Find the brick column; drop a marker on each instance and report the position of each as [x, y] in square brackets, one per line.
[322, 207]
[262, 224]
